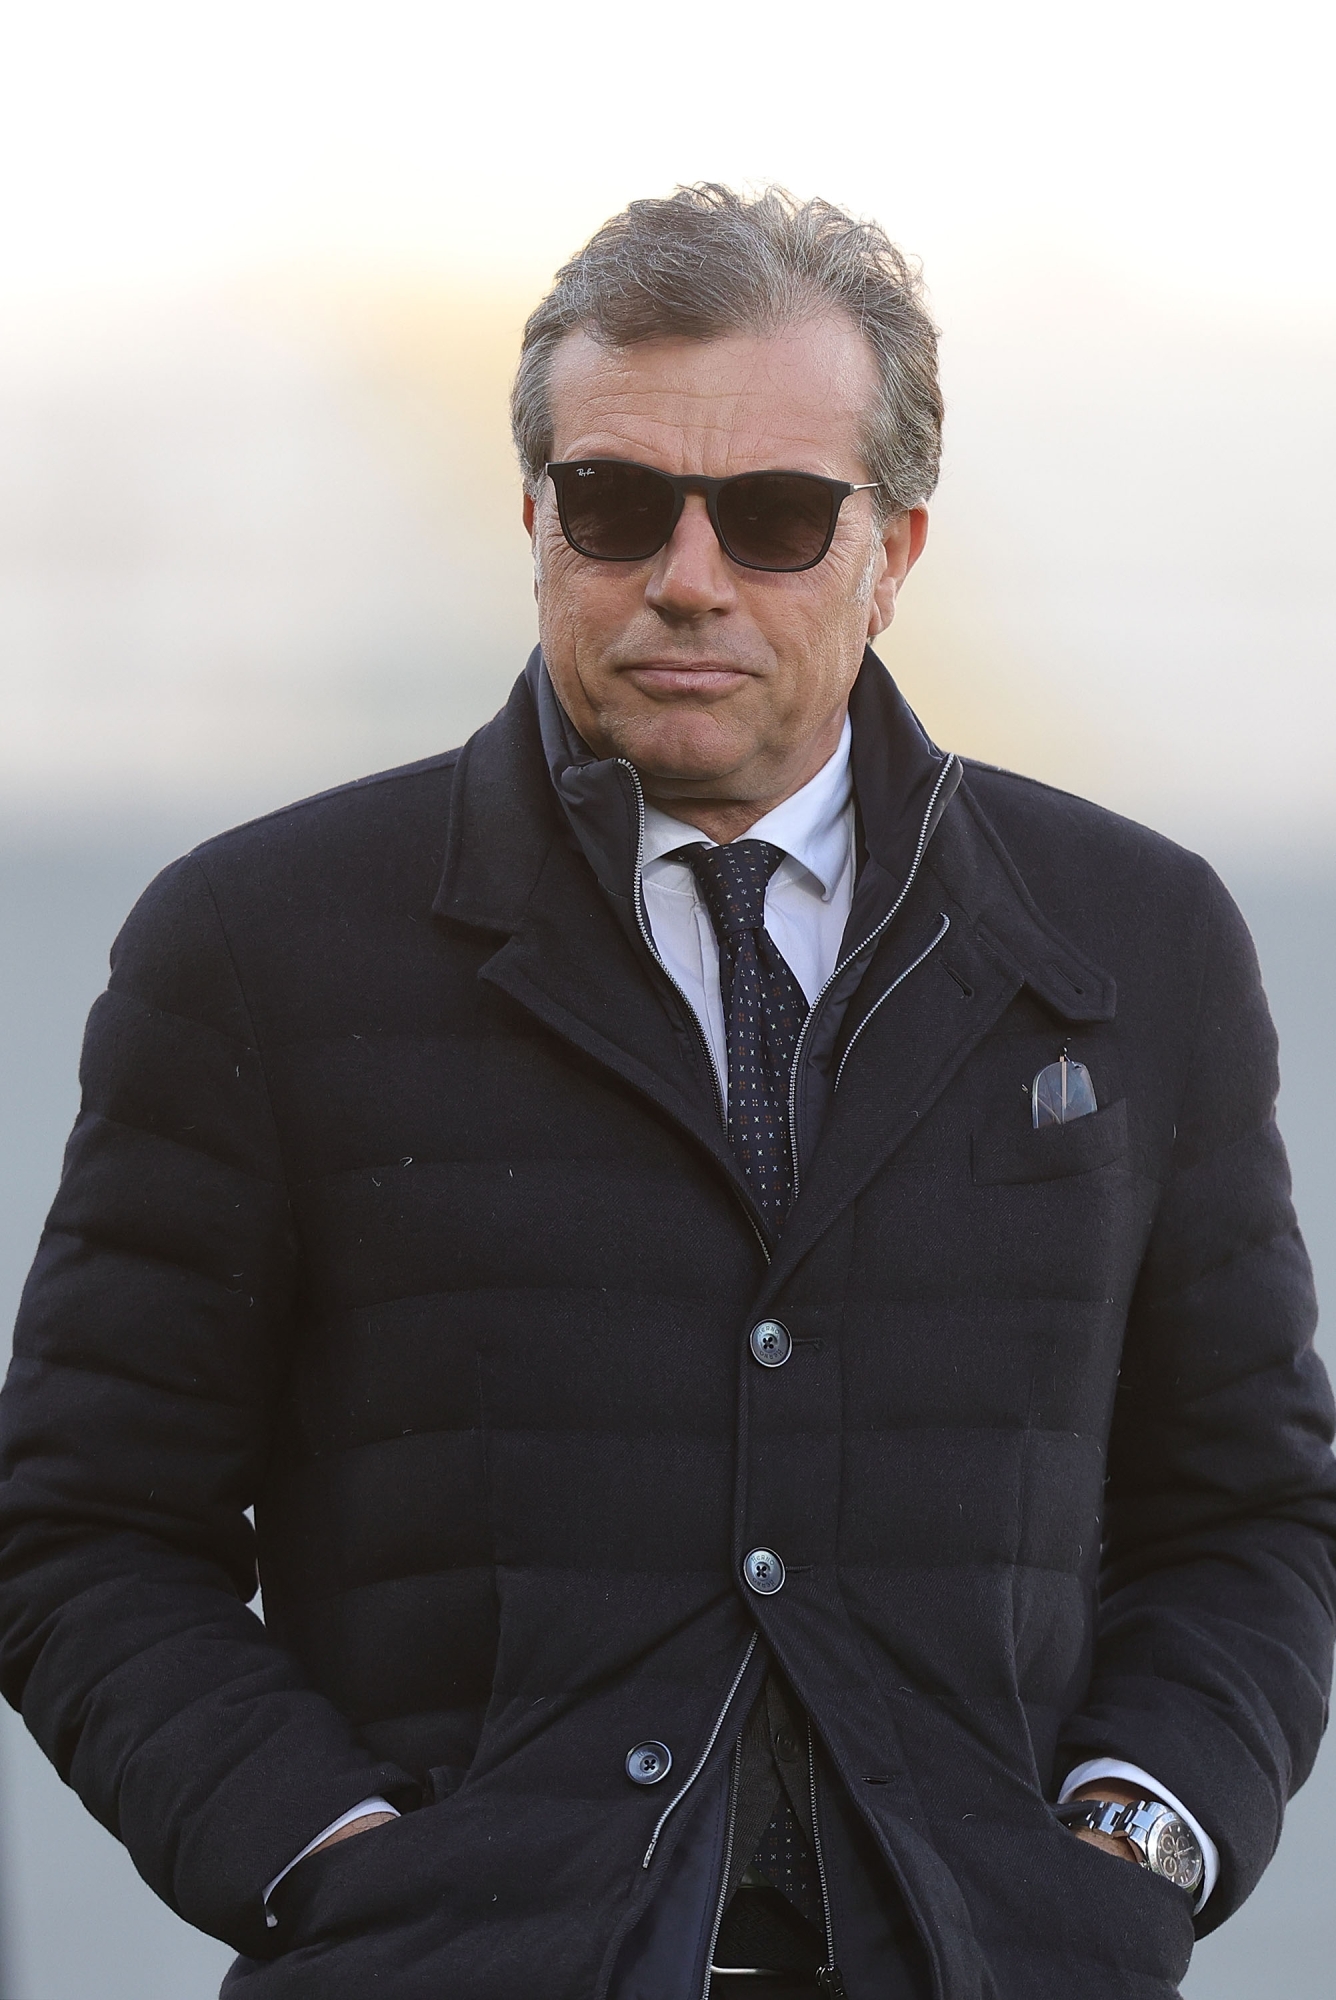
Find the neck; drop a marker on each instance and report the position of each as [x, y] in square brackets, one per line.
[723, 819]
[719, 819]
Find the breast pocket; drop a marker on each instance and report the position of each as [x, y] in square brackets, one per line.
[1019, 1153]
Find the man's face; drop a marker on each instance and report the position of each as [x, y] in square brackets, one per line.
[718, 682]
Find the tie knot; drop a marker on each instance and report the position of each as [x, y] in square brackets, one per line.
[733, 881]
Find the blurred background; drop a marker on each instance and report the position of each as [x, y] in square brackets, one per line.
[262, 274]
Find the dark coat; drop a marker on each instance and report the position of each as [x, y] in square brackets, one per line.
[400, 1206]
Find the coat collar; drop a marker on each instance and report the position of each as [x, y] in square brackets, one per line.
[526, 782]
[973, 867]
[915, 1033]
[537, 819]
[895, 769]
[569, 955]
[504, 821]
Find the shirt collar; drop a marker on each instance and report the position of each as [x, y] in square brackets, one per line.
[813, 826]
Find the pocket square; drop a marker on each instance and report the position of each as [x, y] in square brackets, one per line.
[1061, 1092]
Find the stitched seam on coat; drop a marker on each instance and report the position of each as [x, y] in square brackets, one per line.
[141, 1255]
[1248, 1246]
[186, 1145]
[105, 1370]
[327, 1453]
[126, 996]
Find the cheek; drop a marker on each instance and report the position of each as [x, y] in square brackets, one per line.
[582, 604]
[817, 615]
[564, 581]
[818, 634]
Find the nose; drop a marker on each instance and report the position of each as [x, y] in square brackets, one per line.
[692, 577]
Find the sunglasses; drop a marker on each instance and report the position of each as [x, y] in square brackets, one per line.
[616, 511]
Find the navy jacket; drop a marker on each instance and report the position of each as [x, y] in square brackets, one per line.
[400, 1208]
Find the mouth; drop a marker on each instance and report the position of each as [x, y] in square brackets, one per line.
[711, 680]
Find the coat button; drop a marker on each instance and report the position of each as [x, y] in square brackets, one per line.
[764, 1572]
[648, 1762]
[771, 1343]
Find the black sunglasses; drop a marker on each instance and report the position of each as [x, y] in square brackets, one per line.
[616, 511]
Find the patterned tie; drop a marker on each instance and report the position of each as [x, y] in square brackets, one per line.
[764, 1011]
[786, 1860]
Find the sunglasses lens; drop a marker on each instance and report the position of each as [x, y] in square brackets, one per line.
[776, 520]
[619, 513]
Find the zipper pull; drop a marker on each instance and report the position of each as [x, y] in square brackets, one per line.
[828, 1980]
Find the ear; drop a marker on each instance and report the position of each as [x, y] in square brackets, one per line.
[902, 545]
[530, 511]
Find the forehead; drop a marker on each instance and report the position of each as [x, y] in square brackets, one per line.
[797, 399]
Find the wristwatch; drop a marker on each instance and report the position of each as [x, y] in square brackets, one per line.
[1160, 1839]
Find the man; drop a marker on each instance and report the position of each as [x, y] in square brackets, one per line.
[744, 1266]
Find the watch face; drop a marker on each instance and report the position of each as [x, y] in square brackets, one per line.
[1172, 1851]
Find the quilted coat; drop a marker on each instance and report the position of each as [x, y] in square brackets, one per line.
[399, 1211]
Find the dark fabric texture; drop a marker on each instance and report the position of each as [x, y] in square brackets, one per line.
[787, 1986]
[399, 1207]
[762, 1929]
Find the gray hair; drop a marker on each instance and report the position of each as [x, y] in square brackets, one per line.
[707, 261]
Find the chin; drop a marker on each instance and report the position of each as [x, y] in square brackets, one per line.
[691, 751]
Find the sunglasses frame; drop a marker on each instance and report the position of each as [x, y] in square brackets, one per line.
[683, 484]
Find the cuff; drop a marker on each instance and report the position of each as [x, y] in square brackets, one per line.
[1132, 1774]
[379, 1806]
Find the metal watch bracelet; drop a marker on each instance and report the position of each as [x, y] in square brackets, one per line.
[1161, 1841]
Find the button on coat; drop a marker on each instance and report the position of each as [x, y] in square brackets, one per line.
[764, 1572]
[648, 1763]
[771, 1343]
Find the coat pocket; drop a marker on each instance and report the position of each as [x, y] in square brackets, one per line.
[308, 1901]
[1052, 1152]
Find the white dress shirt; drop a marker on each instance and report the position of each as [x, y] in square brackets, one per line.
[807, 906]
[807, 900]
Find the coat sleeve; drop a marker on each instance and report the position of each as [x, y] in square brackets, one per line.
[149, 1350]
[1218, 1589]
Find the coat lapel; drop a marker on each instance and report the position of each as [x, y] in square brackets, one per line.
[572, 967]
[567, 955]
[913, 1037]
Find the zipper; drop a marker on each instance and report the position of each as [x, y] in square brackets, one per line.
[647, 937]
[727, 1869]
[703, 1759]
[899, 980]
[828, 1978]
[848, 959]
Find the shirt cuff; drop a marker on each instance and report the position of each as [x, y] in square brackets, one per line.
[335, 1826]
[1132, 1774]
